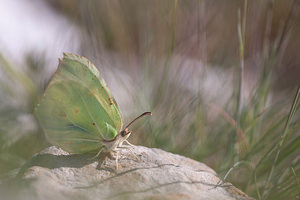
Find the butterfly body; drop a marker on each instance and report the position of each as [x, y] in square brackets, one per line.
[113, 145]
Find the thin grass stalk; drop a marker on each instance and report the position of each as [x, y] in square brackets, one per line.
[265, 59]
[267, 33]
[202, 31]
[297, 180]
[256, 186]
[241, 36]
[288, 24]
[170, 52]
[235, 166]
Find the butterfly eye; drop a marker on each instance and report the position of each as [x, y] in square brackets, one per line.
[123, 133]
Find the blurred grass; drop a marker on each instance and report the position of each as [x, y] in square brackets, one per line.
[252, 139]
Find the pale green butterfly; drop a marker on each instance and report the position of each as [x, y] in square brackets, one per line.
[78, 112]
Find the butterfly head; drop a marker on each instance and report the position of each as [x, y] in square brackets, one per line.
[126, 132]
[122, 136]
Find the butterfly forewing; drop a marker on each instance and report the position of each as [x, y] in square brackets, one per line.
[77, 110]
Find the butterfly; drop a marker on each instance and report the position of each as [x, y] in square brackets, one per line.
[78, 112]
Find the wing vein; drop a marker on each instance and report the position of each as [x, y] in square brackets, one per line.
[80, 139]
[76, 124]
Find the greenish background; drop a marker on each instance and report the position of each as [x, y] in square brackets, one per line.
[221, 78]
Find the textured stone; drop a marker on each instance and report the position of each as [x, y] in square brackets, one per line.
[149, 174]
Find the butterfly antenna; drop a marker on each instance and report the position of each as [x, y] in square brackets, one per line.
[142, 115]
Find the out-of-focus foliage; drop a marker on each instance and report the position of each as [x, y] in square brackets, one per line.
[20, 135]
[205, 30]
[176, 54]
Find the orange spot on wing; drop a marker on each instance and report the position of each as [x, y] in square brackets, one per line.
[75, 110]
[110, 101]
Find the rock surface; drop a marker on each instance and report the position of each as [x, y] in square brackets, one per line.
[149, 174]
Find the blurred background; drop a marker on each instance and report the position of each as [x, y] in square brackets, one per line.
[220, 78]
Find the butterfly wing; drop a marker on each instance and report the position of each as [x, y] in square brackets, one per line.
[77, 109]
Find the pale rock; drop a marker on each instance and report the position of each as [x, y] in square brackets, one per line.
[149, 174]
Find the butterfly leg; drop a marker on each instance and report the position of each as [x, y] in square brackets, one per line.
[96, 154]
[129, 143]
[117, 158]
[129, 148]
